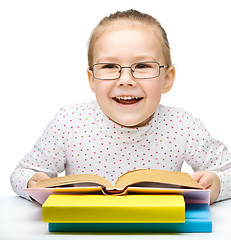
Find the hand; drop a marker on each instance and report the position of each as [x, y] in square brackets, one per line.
[35, 178]
[208, 180]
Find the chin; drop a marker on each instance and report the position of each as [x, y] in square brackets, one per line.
[132, 123]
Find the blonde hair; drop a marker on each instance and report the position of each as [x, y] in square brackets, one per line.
[134, 17]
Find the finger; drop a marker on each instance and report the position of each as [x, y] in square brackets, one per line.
[205, 181]
[37, 177]
[197, 176]
[31, 183]
[40, 176]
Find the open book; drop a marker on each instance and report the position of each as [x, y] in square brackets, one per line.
[142, 181]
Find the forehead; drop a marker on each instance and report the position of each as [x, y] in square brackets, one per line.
[128, 38]
[127, 24]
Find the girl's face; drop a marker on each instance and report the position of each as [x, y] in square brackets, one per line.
[128, 101]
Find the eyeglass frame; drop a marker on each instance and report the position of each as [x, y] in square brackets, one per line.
[120, 71]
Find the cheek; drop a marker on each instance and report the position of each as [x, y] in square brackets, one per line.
[102, 90]
[153, 89]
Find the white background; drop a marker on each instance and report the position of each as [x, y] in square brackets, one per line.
[43, 62]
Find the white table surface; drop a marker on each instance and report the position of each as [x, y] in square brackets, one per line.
[21, 219]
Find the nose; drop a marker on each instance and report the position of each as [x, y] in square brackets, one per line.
[126, 78]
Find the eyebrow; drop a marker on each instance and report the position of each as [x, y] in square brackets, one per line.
[107, 59]
[145, 58]
[141, 58]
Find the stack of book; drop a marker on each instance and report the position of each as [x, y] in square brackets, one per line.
[141, 201]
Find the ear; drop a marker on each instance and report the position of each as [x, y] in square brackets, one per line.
[91, 80]
[169, 79]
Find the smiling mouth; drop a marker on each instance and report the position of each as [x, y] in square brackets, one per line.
[127, 100]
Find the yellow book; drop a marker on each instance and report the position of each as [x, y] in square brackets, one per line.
[114, 209]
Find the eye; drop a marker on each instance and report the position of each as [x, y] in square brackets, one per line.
[109, 66]
[142, 66]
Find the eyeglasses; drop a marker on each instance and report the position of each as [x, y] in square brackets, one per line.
[141, 70]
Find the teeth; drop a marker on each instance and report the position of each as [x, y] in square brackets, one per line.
[127, 98]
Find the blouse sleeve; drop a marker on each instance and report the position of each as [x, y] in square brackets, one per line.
[204, 153]
[48, 156]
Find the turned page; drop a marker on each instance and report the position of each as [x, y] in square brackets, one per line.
[127, 179]
[87, 179]
[156, 176]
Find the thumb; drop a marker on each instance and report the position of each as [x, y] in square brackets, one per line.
[202, 178]
[40, 176]
[37, 177]
[197, 176]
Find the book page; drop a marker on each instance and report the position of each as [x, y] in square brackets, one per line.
[159, 176]
[73, 179]
[191, 196]
[41, 194]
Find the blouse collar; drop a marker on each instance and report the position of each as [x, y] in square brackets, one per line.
[123, 134]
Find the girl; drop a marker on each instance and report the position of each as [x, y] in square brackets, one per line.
[126, 128]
